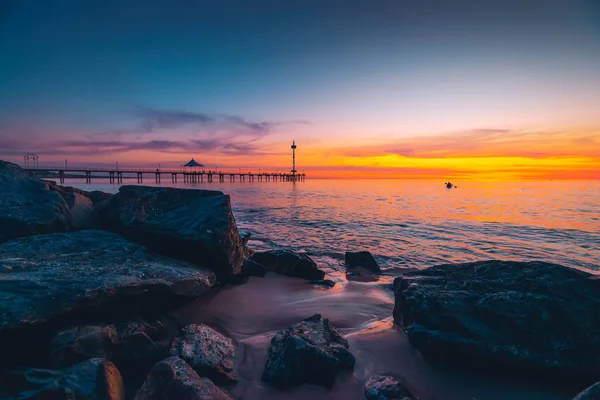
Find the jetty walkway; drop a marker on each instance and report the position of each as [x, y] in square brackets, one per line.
[116, 176]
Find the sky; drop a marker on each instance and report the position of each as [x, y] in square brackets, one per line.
[465, 89]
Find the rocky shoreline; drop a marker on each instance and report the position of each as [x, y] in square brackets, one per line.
[87, 280]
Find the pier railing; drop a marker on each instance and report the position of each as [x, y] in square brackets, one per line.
[116, 175]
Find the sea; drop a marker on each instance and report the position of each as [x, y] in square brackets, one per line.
[417, 223]
[405, 224]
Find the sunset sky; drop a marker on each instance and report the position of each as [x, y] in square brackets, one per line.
[463, 89]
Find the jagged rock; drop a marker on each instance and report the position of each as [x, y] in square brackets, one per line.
[74, 345]
[98, 196]
[288, 263]
[323, 282]
[386, 387]
[191, 225]
[534, 317]
[252, 268]
[131, 346]
[61, 277]
[311, 351]
[208, 352]
[245, 237]
[83, 213]
[94, 379]
[362, 259]
[591, 393]
[28, 206]
[174, 379]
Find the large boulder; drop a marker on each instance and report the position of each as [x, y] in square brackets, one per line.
[131, 346]
[94, 379]
[173, 379]
[311, 351]
[591, 393]
[284, 262]
[191, 225]
[58, 279]
[386, 387]
[527, 316]
[361, 259]
[29, 206]
[207, 351]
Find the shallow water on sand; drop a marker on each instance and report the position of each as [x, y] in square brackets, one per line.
[252, 313]
[405, 224]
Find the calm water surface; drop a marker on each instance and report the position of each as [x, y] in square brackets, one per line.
[405, 224]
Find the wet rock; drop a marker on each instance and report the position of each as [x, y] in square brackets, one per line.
[28, 206]
[74, 345]
[386, 387]
[591, 393]
[93, 379]
[362, 259]
[137, 349]
[208, 352]
[98, 196]
[252, 268]
[323, 282]
[83, 213]
[173, 378]
[533, 317]
[61, 278]
[311, 351]
[131, 346]
[245, 237]
[192, 225]
[288, 263]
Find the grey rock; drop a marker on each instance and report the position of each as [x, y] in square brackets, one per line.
[386, 387]
[173, 378]
[208, 352]
[82, 205]
[311, 351]
[131, 346]
[74, 345]
[192, 225]
[28, 206]
[591, 393]
[362, 259]
[94, 379]
[323, 282]
[62, 276]
[532, 317]
[288, 263]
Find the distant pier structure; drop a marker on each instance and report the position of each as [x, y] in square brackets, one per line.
[192, 172]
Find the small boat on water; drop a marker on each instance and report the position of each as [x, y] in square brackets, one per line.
[449, 185]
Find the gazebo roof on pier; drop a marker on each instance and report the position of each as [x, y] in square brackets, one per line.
[193, 163]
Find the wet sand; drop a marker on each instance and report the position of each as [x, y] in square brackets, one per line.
[253, 312]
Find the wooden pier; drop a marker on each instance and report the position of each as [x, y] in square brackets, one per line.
[117, 176]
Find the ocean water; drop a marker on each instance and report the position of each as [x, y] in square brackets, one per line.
[405, 224]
